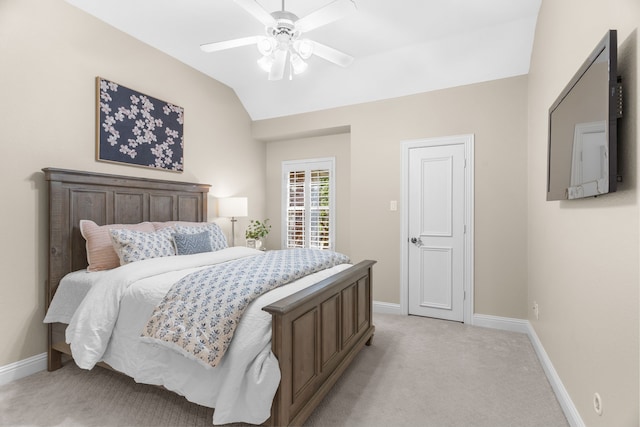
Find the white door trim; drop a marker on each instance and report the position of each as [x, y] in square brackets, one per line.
[406, 146]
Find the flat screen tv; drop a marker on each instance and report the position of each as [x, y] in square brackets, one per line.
[583, 137]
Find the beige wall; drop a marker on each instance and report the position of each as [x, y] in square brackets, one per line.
[496, 113]
[51, 54]
[583, 254]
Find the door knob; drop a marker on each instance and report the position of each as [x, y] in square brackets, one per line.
[416, 241]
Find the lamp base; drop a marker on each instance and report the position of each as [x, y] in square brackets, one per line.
[233, 231]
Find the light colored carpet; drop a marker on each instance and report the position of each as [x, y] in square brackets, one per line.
[418, 372]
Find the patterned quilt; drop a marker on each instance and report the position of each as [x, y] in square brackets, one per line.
[199, 314]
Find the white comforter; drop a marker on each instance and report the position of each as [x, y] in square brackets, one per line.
[106, 327]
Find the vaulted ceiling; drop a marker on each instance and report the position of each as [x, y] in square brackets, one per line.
[401, 47]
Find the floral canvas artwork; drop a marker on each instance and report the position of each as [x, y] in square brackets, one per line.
[138, 129]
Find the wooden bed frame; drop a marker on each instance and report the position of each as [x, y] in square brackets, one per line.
[317, 332]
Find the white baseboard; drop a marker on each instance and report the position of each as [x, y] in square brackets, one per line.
[502, 323]
[569, 409]
[386, 308]
[524, 326]
[23, 368]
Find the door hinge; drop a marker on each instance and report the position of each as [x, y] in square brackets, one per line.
[464, 295]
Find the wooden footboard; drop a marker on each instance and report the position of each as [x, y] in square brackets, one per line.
[316, 334]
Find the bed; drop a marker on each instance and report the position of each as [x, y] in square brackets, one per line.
[315, 332]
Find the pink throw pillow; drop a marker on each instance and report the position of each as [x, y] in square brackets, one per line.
[100, 252]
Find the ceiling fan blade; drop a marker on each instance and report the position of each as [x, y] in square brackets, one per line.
[229, 44]
[331, 54]
[277, 69]
[257, 11]
[325, 15]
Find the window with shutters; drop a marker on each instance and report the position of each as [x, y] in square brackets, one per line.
[308, 204]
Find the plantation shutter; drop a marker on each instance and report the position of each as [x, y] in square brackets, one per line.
[296, 218]
[308, 204]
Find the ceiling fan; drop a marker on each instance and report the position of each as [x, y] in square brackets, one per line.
[283, 43]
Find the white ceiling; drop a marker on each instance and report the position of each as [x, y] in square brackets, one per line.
[401, 47]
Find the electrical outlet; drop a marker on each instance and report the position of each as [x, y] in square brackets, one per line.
[535, 310]
[597, 403]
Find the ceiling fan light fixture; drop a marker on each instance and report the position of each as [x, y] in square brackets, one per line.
[304, 48]
[266, 45]
[298, 65]
[265, 63]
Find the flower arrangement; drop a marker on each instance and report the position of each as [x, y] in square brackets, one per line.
[257, 229]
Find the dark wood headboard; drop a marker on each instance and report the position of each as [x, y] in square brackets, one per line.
[109, 199]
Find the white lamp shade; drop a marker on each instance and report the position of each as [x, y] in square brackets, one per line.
[233, 207]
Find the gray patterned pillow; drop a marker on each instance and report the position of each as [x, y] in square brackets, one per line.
[132, 245]
[216, 236]
[187, 244]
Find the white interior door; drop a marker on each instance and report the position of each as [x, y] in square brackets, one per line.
[436, 228]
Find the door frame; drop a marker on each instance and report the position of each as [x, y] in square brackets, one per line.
[406, 147]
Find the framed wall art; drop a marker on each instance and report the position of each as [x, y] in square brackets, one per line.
[137, 129]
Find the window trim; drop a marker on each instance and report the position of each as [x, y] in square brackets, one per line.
[324, 163]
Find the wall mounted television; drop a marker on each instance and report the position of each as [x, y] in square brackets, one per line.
[583, 138]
